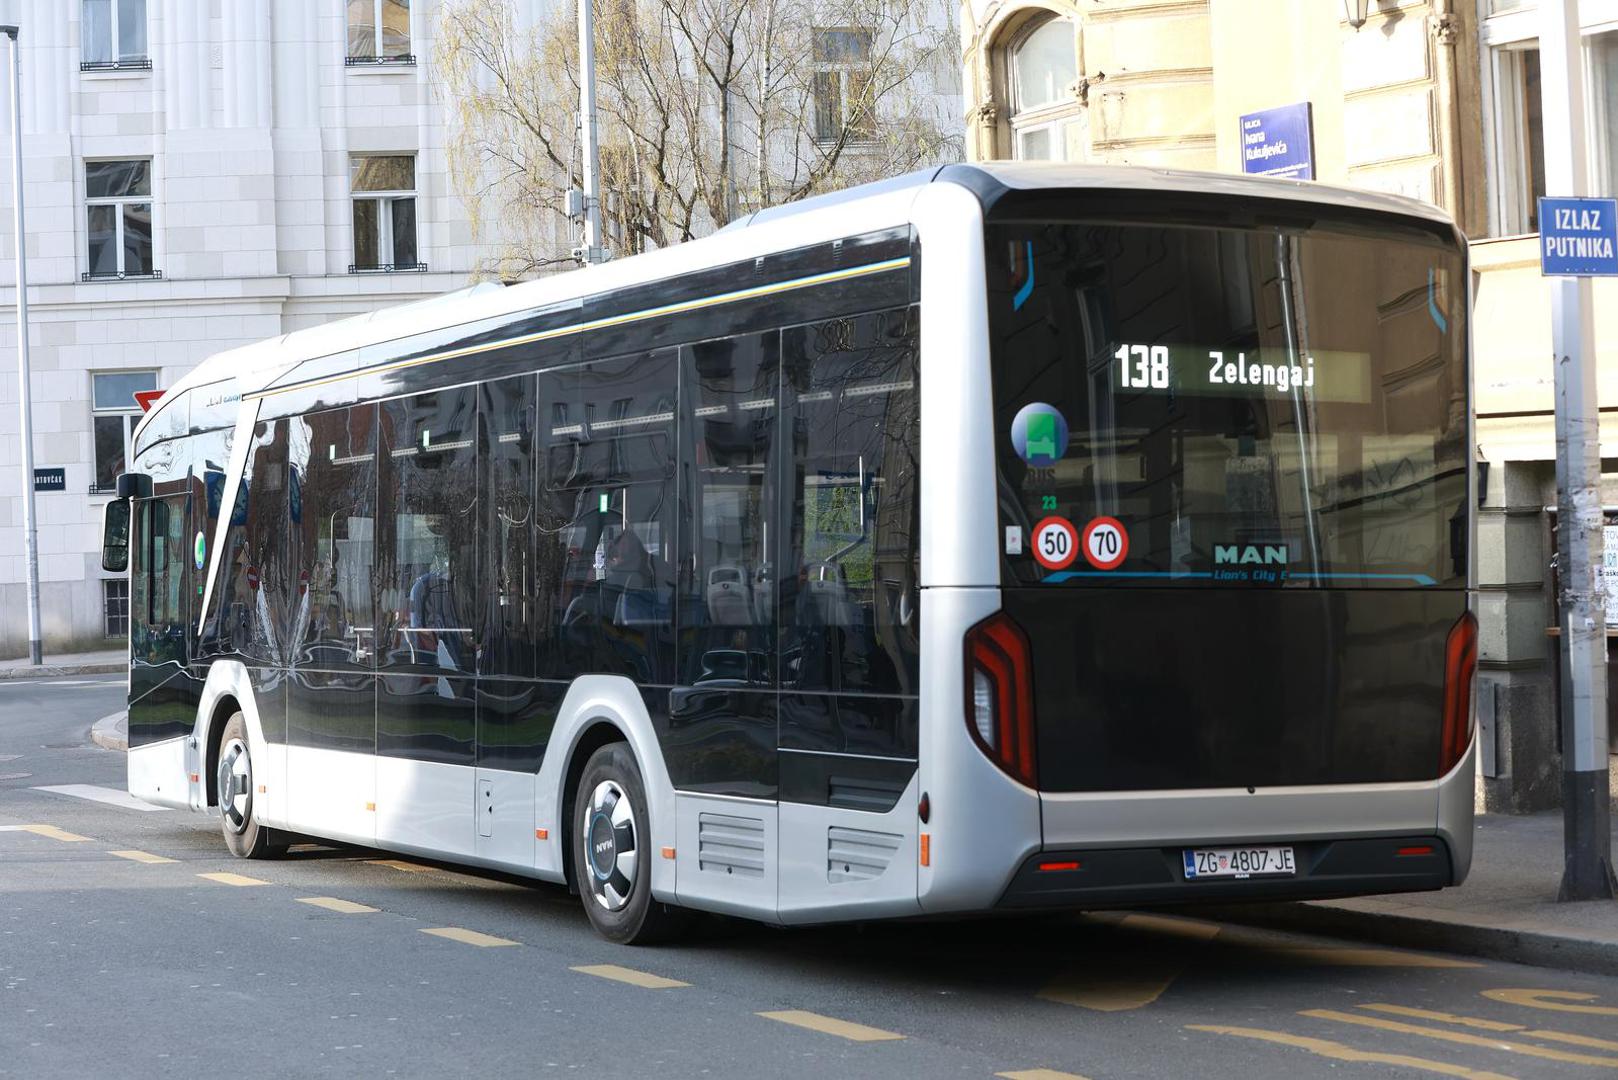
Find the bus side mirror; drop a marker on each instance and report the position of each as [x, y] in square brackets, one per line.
[115, 536]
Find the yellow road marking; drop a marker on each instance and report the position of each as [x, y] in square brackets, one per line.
[1195, 929]
[141, 856]
[1040, 1074]
[1557, 1000]
[1111, 989]
[331, 903]
[1368, 958]
[400, 864]
[468, 937]
[630, 976]
[843, 1029]
[233, 879]
[1339, 1052]
[1496, 1025]
[51, 832]
[1459, 1037]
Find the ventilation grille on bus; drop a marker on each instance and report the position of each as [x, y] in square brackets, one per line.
[730, 845]
[858, 854]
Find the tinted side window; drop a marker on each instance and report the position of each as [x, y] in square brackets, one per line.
[728, 488]
[611, 456]
[427, 515]
[333, 468]
[508, 594]
[849, 606]
[253, 571]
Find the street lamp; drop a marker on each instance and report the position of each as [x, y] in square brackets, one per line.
[1355, 12]
[24, 396]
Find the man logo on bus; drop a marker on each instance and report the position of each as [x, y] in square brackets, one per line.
[1250, 555]
[1039, 435]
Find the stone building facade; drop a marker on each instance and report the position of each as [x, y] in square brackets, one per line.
[1434, 99]
[199, 174]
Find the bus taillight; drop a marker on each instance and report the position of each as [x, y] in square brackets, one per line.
[1460, 664]
[1000, 694]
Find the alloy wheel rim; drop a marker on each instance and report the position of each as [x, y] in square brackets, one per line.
[235, 786]
[611, 845]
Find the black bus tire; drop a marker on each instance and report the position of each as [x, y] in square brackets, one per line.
[610, 820]
[244, 835]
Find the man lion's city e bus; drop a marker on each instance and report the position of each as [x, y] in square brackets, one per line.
[999, 537]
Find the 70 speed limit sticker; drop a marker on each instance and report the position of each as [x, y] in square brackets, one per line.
[1056, 543]
[1105, 543]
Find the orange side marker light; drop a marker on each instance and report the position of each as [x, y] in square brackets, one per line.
[926, 849]
[542, 834]
[668, 853]
[370, 806]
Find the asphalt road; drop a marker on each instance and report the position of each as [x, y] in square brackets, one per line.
[121, 956]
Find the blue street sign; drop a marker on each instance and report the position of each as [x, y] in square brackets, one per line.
[1279, 142]
[1578, 237]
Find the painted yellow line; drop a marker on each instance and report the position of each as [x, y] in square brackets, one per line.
[51, 832]
[1339, 1052]
[1555, 1000]
[1459, 1037]
[331, 903]
[843, 1029]
[400, 864]
[1195, 929]
[233, 879]
[630, 976]
[1571, 1039]
[142, 857]
[1444, 1017]
[1040, 1074]
[1107, 989]
[1368, 958]
[468, 937]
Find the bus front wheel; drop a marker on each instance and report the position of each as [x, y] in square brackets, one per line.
[612, 852]
[245, 837]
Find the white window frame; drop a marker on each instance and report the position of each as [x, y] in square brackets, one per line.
[844, 70]
[1051, 116]
[376, 58]
[386, 262]
[148, 200]
[130, 415]
[119, 62]
[108, 586]
[1499, 37]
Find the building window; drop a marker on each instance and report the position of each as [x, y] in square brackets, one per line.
[115, 606]
[118, 219]
[1516, 115]
[112, 35]
[379, 32]
[1043, 68]
[845, 105]
[114, 414]
[384, 187]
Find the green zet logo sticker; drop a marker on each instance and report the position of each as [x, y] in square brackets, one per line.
[200, 549]
[1039, 435]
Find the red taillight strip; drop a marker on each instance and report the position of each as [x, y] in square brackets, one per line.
[1420, 849]
[1460, 665]
[1056, 867]
[999, 649]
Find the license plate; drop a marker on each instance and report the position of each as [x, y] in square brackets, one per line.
[1241, 862]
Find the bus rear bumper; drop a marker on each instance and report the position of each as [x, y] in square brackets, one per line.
[1127, 877]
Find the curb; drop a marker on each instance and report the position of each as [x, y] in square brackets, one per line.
[1539, 948]
[111, 732]
[49, 671]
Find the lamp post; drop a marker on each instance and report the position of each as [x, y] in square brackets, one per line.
[30, 531]
[592, 251]
[1355, 12]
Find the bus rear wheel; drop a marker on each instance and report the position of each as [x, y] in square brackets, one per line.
[612, 852]
[244, 836]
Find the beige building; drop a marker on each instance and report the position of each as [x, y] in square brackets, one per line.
[1435, 99]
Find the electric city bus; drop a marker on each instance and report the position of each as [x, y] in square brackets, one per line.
[997, 537]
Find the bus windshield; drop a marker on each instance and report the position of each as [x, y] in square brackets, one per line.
[1229, 407]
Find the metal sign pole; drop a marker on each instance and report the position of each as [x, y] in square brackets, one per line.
[587, 130]
[30, 531]
[1587, 836]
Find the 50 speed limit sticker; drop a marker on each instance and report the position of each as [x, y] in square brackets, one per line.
[1105, 543]
[1056, 543]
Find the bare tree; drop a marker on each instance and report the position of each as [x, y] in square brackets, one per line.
[708, 110]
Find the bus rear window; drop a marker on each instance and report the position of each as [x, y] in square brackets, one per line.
[1228, 407]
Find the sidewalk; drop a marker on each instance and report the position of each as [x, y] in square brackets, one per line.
[105, 662]
[111, 732]
[1506, 910]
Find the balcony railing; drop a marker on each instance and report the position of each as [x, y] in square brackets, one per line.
[128, 63]
[121, 275]
[388, 268]
[403, 60]
[97, 488]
